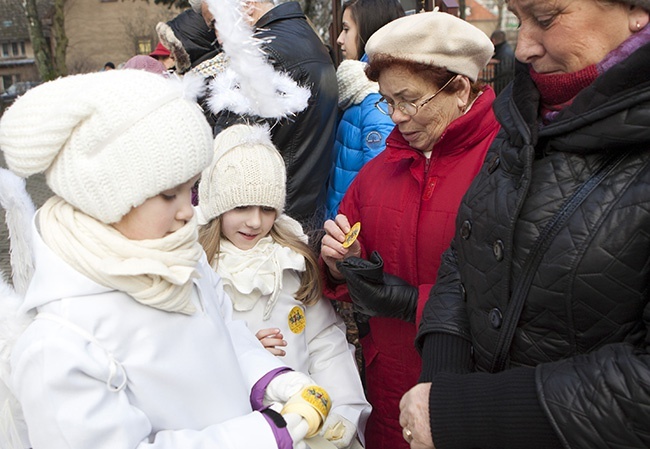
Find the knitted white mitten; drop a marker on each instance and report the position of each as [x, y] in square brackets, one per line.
[285, 385]
[297, 427]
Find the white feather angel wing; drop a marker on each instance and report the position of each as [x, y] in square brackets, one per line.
[19, 212]
[13, 430]
[20, 209]
[250, 85]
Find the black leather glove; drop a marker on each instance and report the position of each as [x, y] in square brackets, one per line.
[375, 293]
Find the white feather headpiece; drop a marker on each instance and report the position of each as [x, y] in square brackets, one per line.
[250, 85]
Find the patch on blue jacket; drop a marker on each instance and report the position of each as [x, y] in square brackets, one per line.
[374, 140]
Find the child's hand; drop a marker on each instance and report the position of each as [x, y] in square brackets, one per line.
[270, 339]
[332, 248]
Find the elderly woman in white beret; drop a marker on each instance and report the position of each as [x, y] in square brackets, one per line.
[537, 333]
[427, 66]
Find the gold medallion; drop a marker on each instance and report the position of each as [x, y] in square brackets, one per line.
[351, 236]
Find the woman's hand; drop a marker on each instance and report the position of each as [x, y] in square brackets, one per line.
[414, 417]
[272, 338]
[331, 248]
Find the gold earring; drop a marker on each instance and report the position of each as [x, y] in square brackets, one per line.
[638, 26]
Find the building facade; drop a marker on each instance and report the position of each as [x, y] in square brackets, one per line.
[16, 53]
[110, 30]
[98, 31]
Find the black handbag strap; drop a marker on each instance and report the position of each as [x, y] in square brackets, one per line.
[544, 240]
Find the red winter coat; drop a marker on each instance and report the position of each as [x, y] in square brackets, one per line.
[407, 208]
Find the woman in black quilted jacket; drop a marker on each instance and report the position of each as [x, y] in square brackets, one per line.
[537, 333]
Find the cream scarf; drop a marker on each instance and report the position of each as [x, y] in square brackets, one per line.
[250, 274]
[354, 85]
[157, 273]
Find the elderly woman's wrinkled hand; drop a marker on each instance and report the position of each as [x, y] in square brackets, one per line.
[414, 417]
[332, 248]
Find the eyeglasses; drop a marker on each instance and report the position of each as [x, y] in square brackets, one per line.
[407, 107]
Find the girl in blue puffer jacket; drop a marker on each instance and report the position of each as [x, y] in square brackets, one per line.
[362, 129]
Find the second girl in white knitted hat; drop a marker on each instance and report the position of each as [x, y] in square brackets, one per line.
[271, 274]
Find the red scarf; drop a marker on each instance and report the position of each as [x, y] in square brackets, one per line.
[557, 91]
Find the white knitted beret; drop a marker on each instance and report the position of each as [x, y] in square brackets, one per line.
[107, 141]
[434, 38]
[247, 170]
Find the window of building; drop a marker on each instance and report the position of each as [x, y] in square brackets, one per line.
[7, 80]
[12, 49]
[144, 46]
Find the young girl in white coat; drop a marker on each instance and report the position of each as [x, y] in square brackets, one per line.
[133, 343]
[271, 275]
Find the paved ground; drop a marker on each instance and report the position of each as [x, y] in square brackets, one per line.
[39, 192]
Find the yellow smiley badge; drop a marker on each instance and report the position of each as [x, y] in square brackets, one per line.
[297, 320]
[351, 236]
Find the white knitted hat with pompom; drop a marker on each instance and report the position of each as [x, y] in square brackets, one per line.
[247, 170]
[108, 141]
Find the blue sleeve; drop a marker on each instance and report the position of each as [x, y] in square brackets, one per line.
[375, 127]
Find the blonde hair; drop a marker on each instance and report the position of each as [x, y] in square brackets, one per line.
[310, 288]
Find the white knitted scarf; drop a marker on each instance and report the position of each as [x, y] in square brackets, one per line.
[251, 274]
[354, 85]
[157, 273]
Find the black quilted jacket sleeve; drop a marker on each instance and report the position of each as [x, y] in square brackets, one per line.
[443, 339]
[600, 399]
[445, 311]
